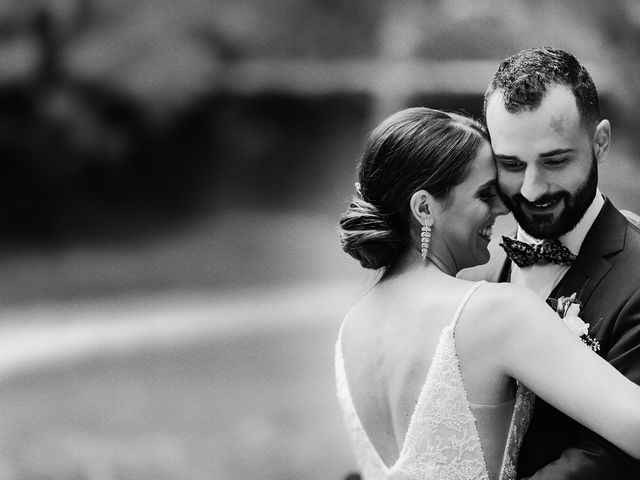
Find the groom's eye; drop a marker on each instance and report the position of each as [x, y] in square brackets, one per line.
[555, 162]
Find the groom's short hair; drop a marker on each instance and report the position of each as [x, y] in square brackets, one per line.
[523, 79]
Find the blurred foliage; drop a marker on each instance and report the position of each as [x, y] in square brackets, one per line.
[116, 112]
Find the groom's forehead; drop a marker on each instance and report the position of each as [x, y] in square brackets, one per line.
[556, 116]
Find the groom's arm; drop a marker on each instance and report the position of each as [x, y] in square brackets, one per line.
[593, 457]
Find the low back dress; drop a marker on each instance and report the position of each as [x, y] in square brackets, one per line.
[446, 433]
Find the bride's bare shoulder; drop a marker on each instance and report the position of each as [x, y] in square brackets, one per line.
[502, 302]
[496, 314]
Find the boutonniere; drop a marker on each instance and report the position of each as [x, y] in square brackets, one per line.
[568, 308]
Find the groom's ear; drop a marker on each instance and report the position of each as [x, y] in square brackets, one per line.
[602, 139]
[422, 205]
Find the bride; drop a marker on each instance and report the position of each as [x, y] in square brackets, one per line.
[431, 370]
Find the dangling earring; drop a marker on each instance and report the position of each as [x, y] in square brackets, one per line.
[426, 236]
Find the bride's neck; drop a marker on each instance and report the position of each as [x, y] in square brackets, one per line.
[412, 265]
[442, 264]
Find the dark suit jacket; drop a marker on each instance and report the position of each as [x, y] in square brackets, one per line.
[606, 277]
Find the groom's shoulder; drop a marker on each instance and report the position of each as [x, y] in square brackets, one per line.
[632, 236]
[621, 233]
[632, 233]
[612, 224]
[629, 259]
[633, 224]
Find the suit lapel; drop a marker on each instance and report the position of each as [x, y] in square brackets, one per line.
[505, 271]
[583, 276]
[605, 238]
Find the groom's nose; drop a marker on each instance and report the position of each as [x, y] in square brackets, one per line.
[533, 184]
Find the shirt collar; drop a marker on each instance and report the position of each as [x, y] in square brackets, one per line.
[574, 238]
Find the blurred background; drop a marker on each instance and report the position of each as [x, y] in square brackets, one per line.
[171, 283]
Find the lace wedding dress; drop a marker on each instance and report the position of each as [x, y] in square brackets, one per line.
[442, 440]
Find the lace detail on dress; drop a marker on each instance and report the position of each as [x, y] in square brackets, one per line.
[442, 441]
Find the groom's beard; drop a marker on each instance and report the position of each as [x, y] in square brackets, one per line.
[554, 225]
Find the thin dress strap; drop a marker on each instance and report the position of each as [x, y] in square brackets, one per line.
[464, 301]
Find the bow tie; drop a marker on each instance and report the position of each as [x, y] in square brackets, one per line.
[523, 254]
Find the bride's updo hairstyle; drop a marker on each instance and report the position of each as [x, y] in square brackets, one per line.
[414, 149]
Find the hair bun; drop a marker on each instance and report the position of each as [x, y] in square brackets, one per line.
[369, 235]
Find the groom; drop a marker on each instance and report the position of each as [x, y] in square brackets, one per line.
[542, 113]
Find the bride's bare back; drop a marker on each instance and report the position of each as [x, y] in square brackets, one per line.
[389, 340]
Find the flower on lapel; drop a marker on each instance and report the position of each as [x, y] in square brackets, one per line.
[573, 310]
[569, 311]
[576, 325]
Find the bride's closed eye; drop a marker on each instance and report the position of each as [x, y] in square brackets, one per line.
[487, 193]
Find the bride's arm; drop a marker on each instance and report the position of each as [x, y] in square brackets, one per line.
[539, 350]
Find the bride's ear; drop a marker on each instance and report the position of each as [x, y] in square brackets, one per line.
[422, 206]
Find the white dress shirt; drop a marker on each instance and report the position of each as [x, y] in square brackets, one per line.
[542, 278]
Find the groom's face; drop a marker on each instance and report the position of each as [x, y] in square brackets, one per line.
[547, 172]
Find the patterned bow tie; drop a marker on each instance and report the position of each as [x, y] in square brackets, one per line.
[523, 254]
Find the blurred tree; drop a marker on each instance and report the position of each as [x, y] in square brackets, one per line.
[116, 109]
